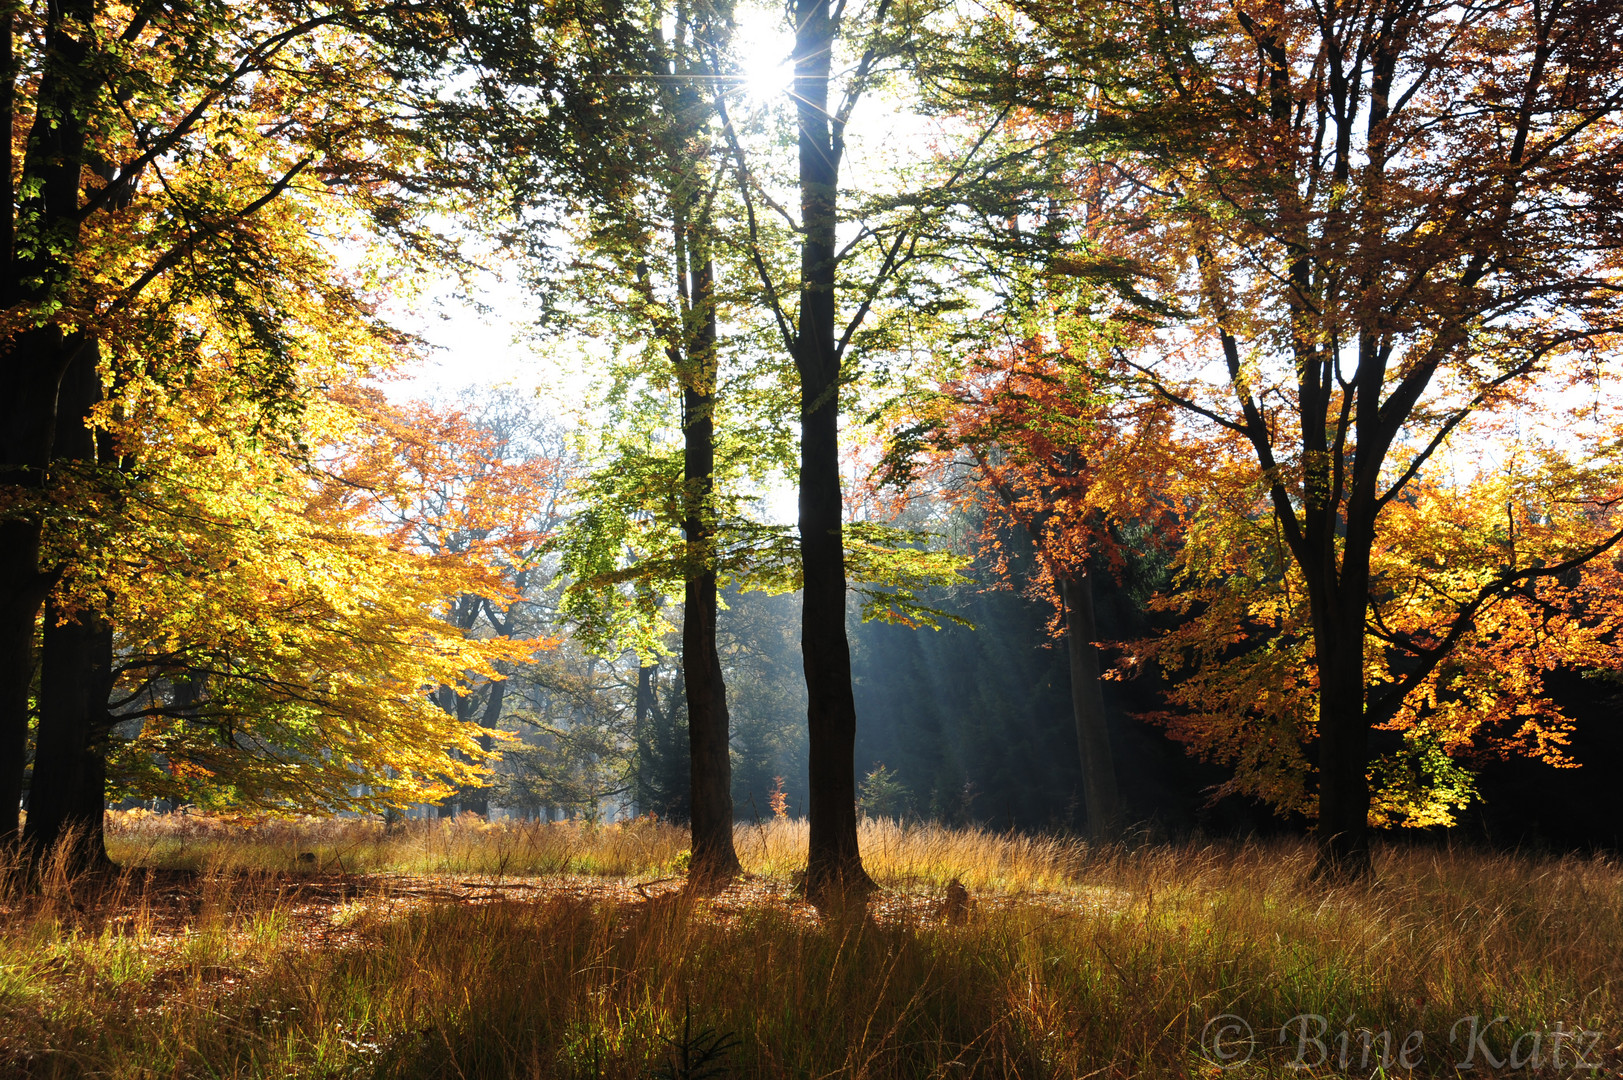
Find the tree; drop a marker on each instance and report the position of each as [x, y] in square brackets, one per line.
[201, 546]
[168, 402]
[145, 146]
[273, 641]
[483, 483]
[881, 272]
[662, 776]
[626, 161]
[1059, 454]
[578, 750]
[1377, 231]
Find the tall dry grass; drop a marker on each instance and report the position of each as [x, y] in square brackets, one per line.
[900, 855]
[1076, 962]
[929, 855]
[465, 845]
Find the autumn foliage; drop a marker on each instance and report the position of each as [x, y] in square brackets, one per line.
[279, 640]
[1377, 244]
[1039, 443]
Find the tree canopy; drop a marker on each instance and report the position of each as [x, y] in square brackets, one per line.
[1315, 305]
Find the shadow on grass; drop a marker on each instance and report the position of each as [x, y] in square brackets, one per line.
[359, 983]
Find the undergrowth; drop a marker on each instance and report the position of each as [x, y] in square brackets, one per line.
[1074, 962]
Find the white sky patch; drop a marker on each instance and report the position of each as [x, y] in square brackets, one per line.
[765, 46]
[494, 347]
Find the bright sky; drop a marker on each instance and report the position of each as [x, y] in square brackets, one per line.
[472, 349]
[482, 349]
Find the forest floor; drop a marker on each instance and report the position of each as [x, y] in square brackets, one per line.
[461, 949]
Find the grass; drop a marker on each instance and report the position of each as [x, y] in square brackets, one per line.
[921, 854]
[466, 950]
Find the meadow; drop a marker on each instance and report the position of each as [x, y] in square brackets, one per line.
[473, 950]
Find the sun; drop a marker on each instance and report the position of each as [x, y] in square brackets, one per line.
[764, 46]
[767, 76]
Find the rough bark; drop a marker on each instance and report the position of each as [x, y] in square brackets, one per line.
[834, 864]
[1343, 734]
[1099, 789]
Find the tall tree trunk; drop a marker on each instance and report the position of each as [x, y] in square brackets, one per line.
[8, 113]
[695, 361]
[709, 753]
[22, 591]
[19, 541]
[1343, 824]
[68, 794]
[834, 865]
[33, 362]
[29, 378]
[1099, 789]
[643, 784]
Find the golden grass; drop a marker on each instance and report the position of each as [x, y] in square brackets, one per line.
[467, 845]
[896, 854]
[1076, 961]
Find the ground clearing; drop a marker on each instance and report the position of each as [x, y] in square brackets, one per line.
[461, 949]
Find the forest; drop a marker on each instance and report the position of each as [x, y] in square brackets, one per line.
[1037, 538]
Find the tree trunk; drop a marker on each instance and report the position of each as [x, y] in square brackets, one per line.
[8, 112]
[19, 541]
[30, 375]
[1343, 825]
[33, 362]
[1099, 787]
[643, 784]
[477, 799]
[22, 590]
[68, 794]
[709, 725]
[834, 865]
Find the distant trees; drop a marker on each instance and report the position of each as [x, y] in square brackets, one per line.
[483, 480]
[1046, 444]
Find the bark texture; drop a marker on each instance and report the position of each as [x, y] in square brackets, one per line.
[32, 362]
[67, 800]
[67, 797]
